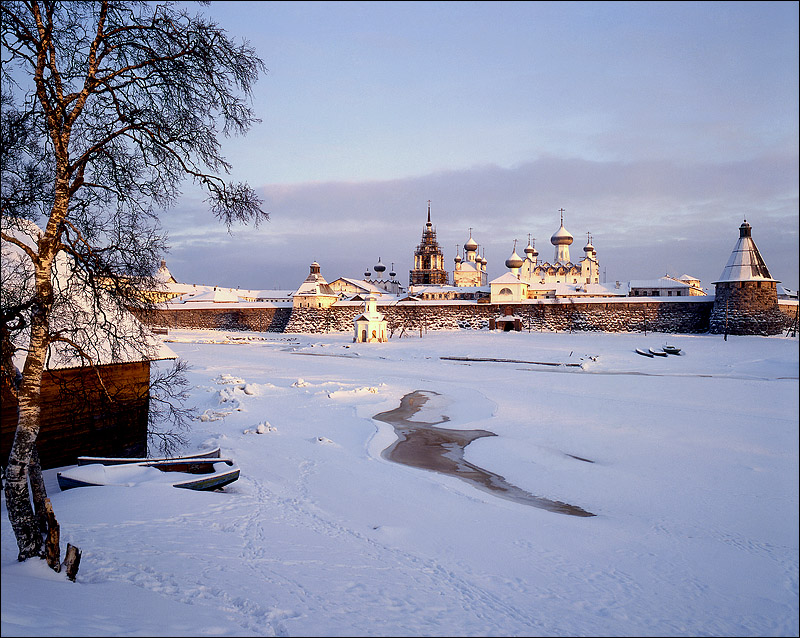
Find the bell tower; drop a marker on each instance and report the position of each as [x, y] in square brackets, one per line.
[429, 267]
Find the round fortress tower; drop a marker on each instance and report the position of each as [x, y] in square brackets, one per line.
[746, 297]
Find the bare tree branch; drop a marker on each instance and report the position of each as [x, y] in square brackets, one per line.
[108, 108]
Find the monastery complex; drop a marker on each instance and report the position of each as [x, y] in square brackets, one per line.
[564, 293]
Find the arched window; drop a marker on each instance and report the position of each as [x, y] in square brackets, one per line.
[506, 291]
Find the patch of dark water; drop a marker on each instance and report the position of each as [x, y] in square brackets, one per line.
[425, 446]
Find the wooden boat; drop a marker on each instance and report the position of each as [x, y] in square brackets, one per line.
[658, 353]
[671, 349]
[187, 473]
[112, 460]
[644, 353]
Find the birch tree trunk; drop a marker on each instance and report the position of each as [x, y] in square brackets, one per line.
[24, 457]
[24, 521]
[38, 491]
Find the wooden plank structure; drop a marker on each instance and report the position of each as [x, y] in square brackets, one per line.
[78, 419]
[99, 409]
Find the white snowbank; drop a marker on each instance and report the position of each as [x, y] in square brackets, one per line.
[690, 464]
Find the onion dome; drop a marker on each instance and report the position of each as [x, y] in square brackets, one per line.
[392, 273]
[379, 267]
[471, 245]
[457, 259]
[588, 248]
[515, 261]
[530, 249]
[367, 274]
[561, 237]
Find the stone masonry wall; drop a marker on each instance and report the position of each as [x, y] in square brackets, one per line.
[635, 315]
[743, 308]
[656, 316]
[247, 318]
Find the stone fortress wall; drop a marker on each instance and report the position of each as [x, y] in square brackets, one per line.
[687, 315]
[226, 317]
[556, 317]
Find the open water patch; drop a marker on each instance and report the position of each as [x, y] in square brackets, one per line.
[423, 445]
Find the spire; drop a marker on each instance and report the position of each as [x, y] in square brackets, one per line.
[428, 259]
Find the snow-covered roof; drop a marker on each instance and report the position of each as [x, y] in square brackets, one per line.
[315, 284]
[163, 275]
[313, 288]
[285, 295]
[785, 292]
[745, 262]
[590, 290]
[93, 323]
[418, 290]
[361, 284]
[577, 290]
[223, 295]
[507, 278]
[663, 282]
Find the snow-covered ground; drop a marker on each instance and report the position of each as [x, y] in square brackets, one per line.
[689, 463]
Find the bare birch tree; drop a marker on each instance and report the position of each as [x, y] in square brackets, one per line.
[108, 108]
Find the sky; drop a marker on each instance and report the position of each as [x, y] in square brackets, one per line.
[657, 127]
[694, 495]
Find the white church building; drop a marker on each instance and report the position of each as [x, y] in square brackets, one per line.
[529, 278]
[562, 270]
[470, 271]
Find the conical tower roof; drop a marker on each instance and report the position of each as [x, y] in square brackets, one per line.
[745, 262]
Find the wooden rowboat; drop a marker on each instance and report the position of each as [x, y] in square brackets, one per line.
[671, 349]
[658, 353]
[114, 460]
[644, 353]
[188, 473]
